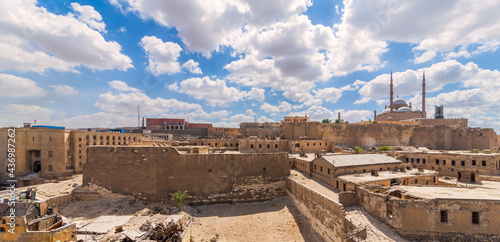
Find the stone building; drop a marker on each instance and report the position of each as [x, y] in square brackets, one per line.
[261, 130]
[295, 119]
[54, 151]
[224, 133]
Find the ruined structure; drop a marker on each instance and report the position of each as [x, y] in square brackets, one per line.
[261, 130]
[154, 172]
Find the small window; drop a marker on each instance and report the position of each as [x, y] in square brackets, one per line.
[268, 146]
[51, 168]
[328, 171]
[452, 162]
[79, 139]
[80, 164]
[314, 167]
[423, 161]
[444, 162]
[209, 170]
[437, 161]
[276, 146]
[483, 163]
[264, 169]
[407, 160]
[50, 138]
[412, 160]
[51, 153]
[307, 144]
[418, 160]
[260, 145]
[444, 216]
[475, 217]
[462, 163]
[473, 162]
[251, 146]
[33, 138]
[321, 169]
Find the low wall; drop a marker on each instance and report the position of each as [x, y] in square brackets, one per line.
[327, 217]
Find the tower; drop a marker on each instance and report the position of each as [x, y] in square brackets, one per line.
[392, 95]
[423, 96]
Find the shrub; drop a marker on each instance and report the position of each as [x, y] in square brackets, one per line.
[385, 148]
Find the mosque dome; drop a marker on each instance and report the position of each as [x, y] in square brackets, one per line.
[405, 109]
[399, 101]
[386, 111]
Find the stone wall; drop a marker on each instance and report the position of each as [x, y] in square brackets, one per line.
[393, 134]
[327, 217]
[151, 173]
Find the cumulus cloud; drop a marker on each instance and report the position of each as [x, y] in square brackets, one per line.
[192, 66]
[215, 92]
[33, 39]
[14, 86]
[89, 16]
[16, 114]
[318, 113]
[283, 107]
[162, 56]
[204, 26]
[122, 86]
[250, 112]
[127, 103]
[64, 89]
[97, 120]
[331, 94]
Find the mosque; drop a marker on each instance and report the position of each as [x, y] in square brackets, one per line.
[399, 110]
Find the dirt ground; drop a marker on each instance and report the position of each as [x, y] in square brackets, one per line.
[275, 220]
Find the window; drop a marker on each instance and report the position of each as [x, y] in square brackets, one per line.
[307, 144]
[51, 168]
[437, 161]
[209, 170]
[51, 153]
[260, 145]
[50, 138]
[407, 160]
[321, 169]
[462, 163]
[444, 162]
[483, 163]
[79, 139]
[444, 216]
[276, 146]
[328, 171]
[452, 162]
[418, 160]
[268, 146]
[473, 162]
[33, 138]
[475, 217]
[412, 160]
[314, 167]
[264, 169]
[80, 157]
[423, 161]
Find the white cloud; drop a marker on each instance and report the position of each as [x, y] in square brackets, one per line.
[318, 113]
[127, 103]
[257, 94]
[64, 89]
[426, 56]
[122, 86]
[122, 29]
[215, 92]
[17, 114]
[14, 86]
[250, 112]
[331, 94]
[86, 14]
[204, 26]
[97, 120]
[33, 39]
[162, 56]
[282, 108]
[192, 66]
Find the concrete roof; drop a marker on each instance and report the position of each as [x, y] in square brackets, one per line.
[366, 177]
[359, 160]
[487, 191]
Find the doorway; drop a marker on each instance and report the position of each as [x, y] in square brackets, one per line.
[37, 166]
[473, 177]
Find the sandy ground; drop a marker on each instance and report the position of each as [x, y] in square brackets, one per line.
[49, 190]
[275, 220]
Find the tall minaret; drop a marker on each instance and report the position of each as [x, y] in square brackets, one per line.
[392, 95]
[423, 97]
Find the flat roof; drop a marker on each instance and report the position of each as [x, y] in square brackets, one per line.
[366, 177]
[489, 190]
[359, 160]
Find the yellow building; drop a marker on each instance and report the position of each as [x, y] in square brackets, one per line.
[53, 152]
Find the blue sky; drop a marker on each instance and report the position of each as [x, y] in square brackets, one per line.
[92, 63]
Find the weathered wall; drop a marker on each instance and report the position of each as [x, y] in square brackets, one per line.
[392, 134]
[327, 217]
[448, 163]
[421, 218]
[153, 172]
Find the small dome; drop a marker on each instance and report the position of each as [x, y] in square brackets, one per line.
[386, 111]
[399, 101]
[405, 109]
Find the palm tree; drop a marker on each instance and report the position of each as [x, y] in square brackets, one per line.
[178, 197]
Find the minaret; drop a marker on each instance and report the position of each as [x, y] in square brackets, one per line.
[423, 96]
[392, 95]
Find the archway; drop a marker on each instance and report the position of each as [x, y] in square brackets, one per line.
[37, 166]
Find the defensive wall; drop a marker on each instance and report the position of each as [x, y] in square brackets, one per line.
[392, 134]
[151, 173]
[326, 216]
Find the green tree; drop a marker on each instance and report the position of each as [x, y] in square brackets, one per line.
[358, 149]
[178, 197]
[385, 148]
[326, 121]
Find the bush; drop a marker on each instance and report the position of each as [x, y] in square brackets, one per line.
[385, 148]
[358, 149]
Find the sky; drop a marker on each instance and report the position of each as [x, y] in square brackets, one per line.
[84, 64]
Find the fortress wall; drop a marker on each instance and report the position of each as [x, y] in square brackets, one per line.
[151, 173]
[327, 217]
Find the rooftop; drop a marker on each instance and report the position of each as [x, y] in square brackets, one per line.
[359, 160]
[366, 177]
[489, 190]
